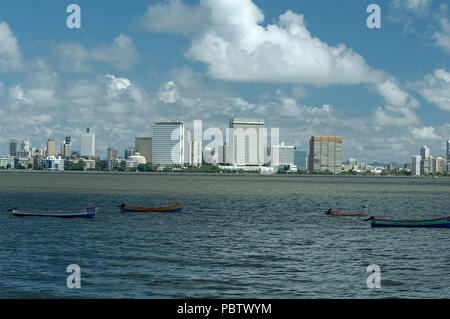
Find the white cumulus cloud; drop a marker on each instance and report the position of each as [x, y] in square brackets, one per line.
[10, 54]
[435, 88]
[425, 133]
[168, 92]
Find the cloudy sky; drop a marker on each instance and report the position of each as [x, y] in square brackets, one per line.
[306, 67]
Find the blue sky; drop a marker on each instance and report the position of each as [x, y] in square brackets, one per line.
[307, 67]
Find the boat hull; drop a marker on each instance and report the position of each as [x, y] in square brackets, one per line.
[178, 207]
[429, 223]
[82, 213]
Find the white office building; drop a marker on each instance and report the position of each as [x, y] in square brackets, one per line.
[53, 163]
[282, 155]
[248, 142]
[88, 144]
[168, 143]
[6, 160]
[416, 165]
[426, 161]
[196, 153]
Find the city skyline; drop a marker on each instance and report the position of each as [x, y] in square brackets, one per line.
[154, 60]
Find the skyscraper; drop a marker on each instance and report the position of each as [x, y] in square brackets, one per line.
[67, 152]
[425, 163]
[111, 154]
[300, 159]
[416, 165]
[248, 142]
[88, 144]
[144, 147]
[13, 147]
[168, 143]
[51, 147]
[325, 153]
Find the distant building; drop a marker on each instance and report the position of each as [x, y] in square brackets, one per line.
[129, 151]
[196, 153]
[89, 164]
[282, 155]
[438, 165]
[88, 144]
[67, 151]
[25, 149]
[425, 164]
[144, 147]
[51, 147]
[416, 165]
[325, 153]
[111, 154]
[248, 142]
[168, 143]
[135, 160]
[6, 161]
[52, 163]
[300, 159]
[13, 151]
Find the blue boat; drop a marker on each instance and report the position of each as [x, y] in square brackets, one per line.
[443, 222]
[82, 213]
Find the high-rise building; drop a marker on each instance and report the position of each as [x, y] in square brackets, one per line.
[195, 153]
[325, 153]
[248, 142]
[88, 143]
[51, 147]
[111, 154]
[300, 159]
[438, 165]
[144, 147]
[168, 143]
[426, 162]
[282, 155]
[67, 151]
[416, 165]
[13, 151]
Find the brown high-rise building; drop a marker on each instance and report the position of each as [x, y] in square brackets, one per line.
[325, 153]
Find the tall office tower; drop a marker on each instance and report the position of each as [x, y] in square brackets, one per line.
[195, 153]
[416, 165]
[168, 143]
[248, 142]
[88, 143]
[325, 153]
[437, 164]
[67, 151]
[13, 151]
[51, 147]
[425, 167]
[144, 147]
[111, 154]
[282, 155]
[300, 159]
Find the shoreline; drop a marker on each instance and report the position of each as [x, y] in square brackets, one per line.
[6, 172]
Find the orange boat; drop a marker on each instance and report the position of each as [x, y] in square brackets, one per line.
[363, 211]
[177, 207]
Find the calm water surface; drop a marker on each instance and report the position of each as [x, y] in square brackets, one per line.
[239, 237]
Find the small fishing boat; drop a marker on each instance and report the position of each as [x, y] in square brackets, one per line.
[443, 222]
[361, 212]
[82, 213]
[177, 207]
